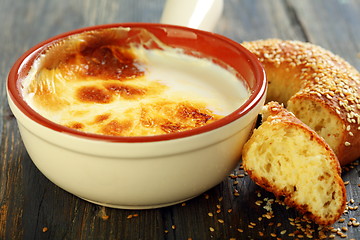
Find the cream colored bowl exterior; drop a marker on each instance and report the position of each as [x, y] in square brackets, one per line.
[136, 175]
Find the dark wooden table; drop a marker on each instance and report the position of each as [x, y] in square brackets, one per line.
[31, 207]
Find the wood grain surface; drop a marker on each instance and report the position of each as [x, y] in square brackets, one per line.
[31, 207]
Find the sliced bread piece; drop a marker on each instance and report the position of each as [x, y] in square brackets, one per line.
[287, 158]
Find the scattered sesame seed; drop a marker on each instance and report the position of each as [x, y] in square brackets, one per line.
[334, 86]
[233, 176]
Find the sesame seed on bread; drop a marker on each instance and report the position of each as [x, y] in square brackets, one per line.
[319, 87]
[286, 157]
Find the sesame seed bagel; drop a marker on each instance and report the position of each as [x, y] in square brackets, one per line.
[320, 88]
[289, 159]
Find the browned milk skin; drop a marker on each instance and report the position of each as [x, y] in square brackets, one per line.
[99, 74]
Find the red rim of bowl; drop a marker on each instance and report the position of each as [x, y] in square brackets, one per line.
[256, 95]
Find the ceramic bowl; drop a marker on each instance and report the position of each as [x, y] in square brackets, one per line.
[150, 171]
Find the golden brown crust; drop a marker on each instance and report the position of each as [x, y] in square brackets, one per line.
[265, 139]
[297, 71]
[99, 82]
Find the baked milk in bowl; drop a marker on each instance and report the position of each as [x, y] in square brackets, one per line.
[98, 82]
[136, 115]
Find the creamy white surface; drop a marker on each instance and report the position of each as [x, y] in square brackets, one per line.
[187, 78]
[191, 78]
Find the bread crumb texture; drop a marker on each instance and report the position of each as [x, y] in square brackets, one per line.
[319, 87]
[286, 157]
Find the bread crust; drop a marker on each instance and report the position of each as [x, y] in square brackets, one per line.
[281, 118]
[298, 70]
